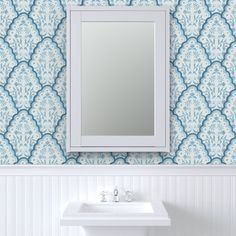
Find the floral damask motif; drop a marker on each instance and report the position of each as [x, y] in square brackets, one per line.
[230, 14]
[119, 158]
[23, 85]
[60, 133]
[7, 109]
[177, 86]
[167, 161]
[216, 161]
[192, 151]
[170, 3]
[73, 155]
[144, 2]
[119, 161]
[119, 154]
[216, 85]
[34, 33]
[95, 2]
[230, 154]
[60, 36]
[216, 6]
[119, 2]
[23, 5]
[192, 14]
[177, 37]
[47, 14]
[47, 152]
[23, 161]
[230, 110]
[71, 161]
[7, 61]
[71, 2]
[216, 37]
[192, 61]
[151, 158]
[47, 61]
[177, 133]
[95, 158]
[60, 85]
[23, 133]
[7, 154]
[7, 13]
[23, 43]
[230, 61]
[192, 109]
[216, 133]
[167, 156]
[47, 109]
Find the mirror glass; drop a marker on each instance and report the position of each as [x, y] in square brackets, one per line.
[117, 78]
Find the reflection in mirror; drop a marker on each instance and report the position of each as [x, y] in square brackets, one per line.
[117, 78]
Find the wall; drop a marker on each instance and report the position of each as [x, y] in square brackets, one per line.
[32, 83]
[200, 201]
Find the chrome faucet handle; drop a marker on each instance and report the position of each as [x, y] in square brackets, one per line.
[128, 196]
[116, 192]
[103, 196]
[116, 197]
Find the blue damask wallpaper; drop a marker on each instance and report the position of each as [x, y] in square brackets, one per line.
[33, 82]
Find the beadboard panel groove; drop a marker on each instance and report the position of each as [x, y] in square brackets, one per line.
[198, 204]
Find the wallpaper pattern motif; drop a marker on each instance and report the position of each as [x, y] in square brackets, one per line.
[33, 82]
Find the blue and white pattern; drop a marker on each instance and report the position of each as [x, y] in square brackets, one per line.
[217, 42]
[33, 84]
[47, 109]
[216, 133]
[192, 109]
[192, 151]
[23, 133]
[214, 88]
[192, 61]
[23, 43]
[7, 109]
[23, 85]
[7, 61]
[192, 14]
[47, 152]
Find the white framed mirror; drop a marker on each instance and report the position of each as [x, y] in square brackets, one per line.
[117, 79]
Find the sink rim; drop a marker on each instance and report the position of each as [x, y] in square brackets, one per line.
[129, 208]
[71, 215]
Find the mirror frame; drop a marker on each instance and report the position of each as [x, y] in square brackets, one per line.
[159, 142]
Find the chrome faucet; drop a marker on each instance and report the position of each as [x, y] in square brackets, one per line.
[128, 196]
[116, 195]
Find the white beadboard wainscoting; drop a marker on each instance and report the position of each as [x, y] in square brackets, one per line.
[201, 200]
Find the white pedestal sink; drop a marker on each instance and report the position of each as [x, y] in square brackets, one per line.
[115, 219]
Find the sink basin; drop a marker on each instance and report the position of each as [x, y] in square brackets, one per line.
[115, 214]
[116, 208]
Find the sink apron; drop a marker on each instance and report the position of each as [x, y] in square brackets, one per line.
[115, 231]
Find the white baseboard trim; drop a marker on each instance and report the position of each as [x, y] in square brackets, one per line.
[117, 170]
